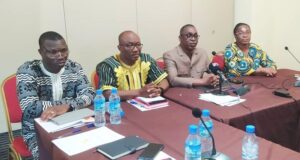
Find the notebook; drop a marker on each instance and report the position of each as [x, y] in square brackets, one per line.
[122, 147]
[72, 116]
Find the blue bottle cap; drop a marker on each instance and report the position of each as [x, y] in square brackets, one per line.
[193, 129]
[99, 91]
[114, 90]
[205, 113]
[250, 129]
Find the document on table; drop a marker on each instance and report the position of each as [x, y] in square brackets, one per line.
[163, 156]
[143, 107]
[50, 126]
[84, 141]
[222, 100]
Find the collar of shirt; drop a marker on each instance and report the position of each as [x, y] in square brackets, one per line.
[57, 89]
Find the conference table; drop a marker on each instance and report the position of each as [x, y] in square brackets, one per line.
[168, 126]
[276, 118]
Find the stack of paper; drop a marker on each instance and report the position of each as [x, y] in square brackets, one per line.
[76, 121]
[222, 100]
[84, 141]
[145, 104]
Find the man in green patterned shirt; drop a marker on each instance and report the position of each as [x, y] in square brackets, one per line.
[133, 73]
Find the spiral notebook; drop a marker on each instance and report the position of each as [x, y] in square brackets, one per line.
[122, 147]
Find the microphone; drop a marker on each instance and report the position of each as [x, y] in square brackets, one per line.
[219, 59]
[297, 83]
[197, 114]
[214, 154]
[287, 48]
[215, 69]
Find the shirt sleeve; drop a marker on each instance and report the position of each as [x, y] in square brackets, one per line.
[84, 91]
[266, 61]
[155, 74]
[107, 78]
[27, 90]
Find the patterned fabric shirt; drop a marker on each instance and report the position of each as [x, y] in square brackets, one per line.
[238, 64]
[34, 88]
[114, 73]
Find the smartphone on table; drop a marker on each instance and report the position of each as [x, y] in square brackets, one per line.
[151, 151]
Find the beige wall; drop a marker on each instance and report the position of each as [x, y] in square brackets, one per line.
[92, 27]
[275, 24]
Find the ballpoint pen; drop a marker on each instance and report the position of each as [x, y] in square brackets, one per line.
[74, 131]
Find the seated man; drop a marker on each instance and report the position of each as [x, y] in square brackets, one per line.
[50, 87]
[243, 58]
[132, 72]
[187, 65]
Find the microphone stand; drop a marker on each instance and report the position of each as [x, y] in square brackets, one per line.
[297, 83]
[220, 92]
[214, 154]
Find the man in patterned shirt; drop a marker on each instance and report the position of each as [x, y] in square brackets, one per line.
[50, 87]
[132, 72]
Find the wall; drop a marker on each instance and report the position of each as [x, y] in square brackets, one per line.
[92, 28]
[274, 25]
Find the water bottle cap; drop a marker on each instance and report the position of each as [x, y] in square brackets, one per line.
[205, 113]
[99, 91]
[114, 90]
[193, 129]
[250, 129]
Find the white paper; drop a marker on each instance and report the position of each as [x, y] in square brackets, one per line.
[163, 156]
[222, 100]
[50, 126]
[84, 141]
[149, 100]
[141, 107]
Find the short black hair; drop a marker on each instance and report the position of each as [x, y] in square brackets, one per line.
[185, 26]
[50, 35]
[238, 25]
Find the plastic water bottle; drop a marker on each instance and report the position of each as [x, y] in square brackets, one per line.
[99, 107]
[114, 107]
[206, 140]
[250, 144]
[193, 144]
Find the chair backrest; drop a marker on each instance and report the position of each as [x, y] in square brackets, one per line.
[95, 80]
[160, 63]
[12, 107]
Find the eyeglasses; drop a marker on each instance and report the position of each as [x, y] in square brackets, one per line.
[131, 46]
[243, 33]
[190, 36]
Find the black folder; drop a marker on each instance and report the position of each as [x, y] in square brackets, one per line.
[122, 147]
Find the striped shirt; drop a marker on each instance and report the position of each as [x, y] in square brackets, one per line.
[36, 88]
[115, 73]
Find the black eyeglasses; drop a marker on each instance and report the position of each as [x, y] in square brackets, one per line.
[131, 46]
[190, 36]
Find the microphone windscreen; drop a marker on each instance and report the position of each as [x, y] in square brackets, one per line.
[219, 59]
[196, 112]
[286, 48]
[214, 68]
